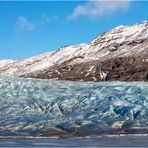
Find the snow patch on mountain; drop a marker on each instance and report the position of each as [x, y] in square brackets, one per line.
[18, 67]
[5, 62]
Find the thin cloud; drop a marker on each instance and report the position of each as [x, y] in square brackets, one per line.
[46, 18]
[96, 9]
[24, 24]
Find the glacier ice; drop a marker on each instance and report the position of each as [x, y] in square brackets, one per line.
[33, 107]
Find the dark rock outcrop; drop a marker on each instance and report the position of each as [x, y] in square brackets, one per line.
[122, 68]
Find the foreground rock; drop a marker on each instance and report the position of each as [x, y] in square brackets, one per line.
[118, 54]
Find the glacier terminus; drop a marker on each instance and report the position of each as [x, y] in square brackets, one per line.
[34, 107]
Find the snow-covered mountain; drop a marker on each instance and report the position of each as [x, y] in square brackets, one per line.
[120, 53]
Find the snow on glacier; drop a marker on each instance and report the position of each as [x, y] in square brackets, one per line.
[31, 107]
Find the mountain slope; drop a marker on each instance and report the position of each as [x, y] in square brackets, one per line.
[118, 54]
[15, 68]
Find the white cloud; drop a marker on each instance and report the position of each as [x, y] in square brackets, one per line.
[24, 24]
[97, 9]
[46, 18]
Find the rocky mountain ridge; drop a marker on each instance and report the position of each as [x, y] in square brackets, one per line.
[118, 54]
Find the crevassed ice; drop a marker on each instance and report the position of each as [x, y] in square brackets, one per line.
[30, 107]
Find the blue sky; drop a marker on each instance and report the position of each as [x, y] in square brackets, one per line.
[30, 28]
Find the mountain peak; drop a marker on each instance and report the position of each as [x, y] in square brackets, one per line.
[120, 27]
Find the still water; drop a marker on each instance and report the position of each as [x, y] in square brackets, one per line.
[117, 141]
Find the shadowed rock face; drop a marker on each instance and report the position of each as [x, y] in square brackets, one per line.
[118, 54]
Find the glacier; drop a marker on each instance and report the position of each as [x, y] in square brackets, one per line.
[34, 107]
